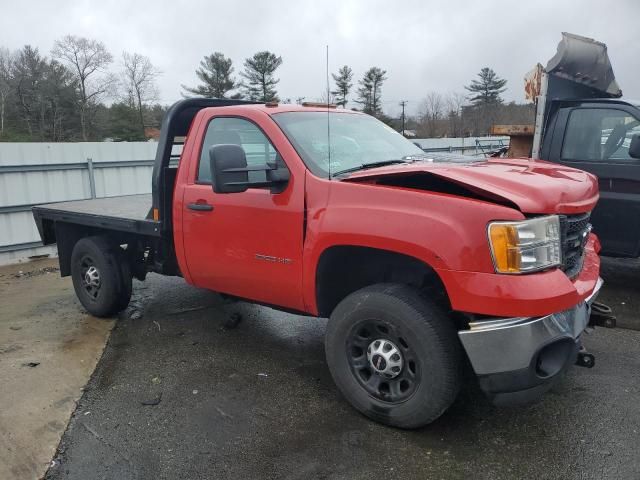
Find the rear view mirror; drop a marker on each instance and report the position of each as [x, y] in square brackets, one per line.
[231, 174]
[634, 147]
[228, 168]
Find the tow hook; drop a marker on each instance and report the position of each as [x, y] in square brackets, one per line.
[602, 316]
[585, 359]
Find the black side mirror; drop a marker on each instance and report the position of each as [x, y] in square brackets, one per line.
[228, 168]
[231, 174]
[278, 176]
[634, 147]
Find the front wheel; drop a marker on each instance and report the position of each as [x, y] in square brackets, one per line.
[394, 355]
[101, 276]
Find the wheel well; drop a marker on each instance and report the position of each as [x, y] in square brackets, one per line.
[68, 234]
[344, 269]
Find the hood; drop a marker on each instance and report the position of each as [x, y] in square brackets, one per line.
[532, 187]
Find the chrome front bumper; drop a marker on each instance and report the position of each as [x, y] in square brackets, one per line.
[512, 344]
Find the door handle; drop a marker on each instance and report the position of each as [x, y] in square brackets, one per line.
[200, 207]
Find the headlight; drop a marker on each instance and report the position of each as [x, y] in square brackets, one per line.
[527, 246]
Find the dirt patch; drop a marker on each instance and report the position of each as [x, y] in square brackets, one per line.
[49, 347]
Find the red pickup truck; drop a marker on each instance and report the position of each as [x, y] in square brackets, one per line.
[422, 267]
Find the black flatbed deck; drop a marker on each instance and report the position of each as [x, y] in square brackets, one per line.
[127, 213]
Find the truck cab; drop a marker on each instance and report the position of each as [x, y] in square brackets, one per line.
[582, 121]
[602, 136]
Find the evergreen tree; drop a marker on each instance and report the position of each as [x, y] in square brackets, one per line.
[215, 74]
[259, 73]
[43, 95]
[343, 85]
[370, 91]
[122, 123]
[487, 90]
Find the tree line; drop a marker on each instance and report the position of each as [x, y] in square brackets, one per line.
[80, 92]
[63, 97]
[258, 82]
[460, 115]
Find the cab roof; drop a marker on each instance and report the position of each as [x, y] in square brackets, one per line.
[273, 108]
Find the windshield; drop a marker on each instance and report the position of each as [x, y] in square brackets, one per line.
[355, 140]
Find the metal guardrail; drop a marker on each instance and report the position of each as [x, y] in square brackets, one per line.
[478, 147]
[90, 166]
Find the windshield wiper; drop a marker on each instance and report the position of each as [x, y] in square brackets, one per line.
[366, 166]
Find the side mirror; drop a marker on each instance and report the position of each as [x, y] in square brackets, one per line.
[230, 172]
[228, 168]
[634, 147]
[278, 175]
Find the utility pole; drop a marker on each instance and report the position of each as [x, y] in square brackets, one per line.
[403, 103]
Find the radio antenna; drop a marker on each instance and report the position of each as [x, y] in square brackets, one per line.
[328, 117]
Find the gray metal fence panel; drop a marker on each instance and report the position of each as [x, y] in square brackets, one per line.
[36, 173]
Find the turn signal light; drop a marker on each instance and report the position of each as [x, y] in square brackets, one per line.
[504, 240]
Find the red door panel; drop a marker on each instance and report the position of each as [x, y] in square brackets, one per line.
[247, 244]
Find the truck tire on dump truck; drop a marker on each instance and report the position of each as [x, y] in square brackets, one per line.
[421, 267]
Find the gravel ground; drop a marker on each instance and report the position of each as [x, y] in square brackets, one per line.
[180, 394]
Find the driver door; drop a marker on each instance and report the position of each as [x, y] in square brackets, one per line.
[247, 244]
[597, 139]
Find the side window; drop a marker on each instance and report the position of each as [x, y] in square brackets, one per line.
[237, 131]
[597, 134]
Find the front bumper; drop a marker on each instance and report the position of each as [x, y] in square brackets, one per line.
[518, 359]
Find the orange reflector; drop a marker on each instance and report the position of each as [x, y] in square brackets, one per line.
[504, 244]
[156, 214]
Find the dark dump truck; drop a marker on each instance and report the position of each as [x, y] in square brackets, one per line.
[582, 121]
[421, 267]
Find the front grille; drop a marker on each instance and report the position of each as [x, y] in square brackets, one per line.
[574, 231]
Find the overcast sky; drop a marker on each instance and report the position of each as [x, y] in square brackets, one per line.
[424, 45]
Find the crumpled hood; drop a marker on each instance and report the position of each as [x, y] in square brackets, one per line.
[533, 186]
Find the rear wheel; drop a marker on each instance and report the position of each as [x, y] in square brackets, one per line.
[394, 355]
[101, 276]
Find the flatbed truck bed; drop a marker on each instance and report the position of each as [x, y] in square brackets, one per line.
[127, 213]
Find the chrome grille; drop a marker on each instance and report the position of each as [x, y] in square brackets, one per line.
[574, 231]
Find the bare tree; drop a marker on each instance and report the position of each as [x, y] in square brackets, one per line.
[454, 102]
[327, 100]
[431, 112]
[5, 85]
[139, 77]
[88, 59]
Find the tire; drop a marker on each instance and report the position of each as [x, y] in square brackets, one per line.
[422, 334]
[107, 289]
